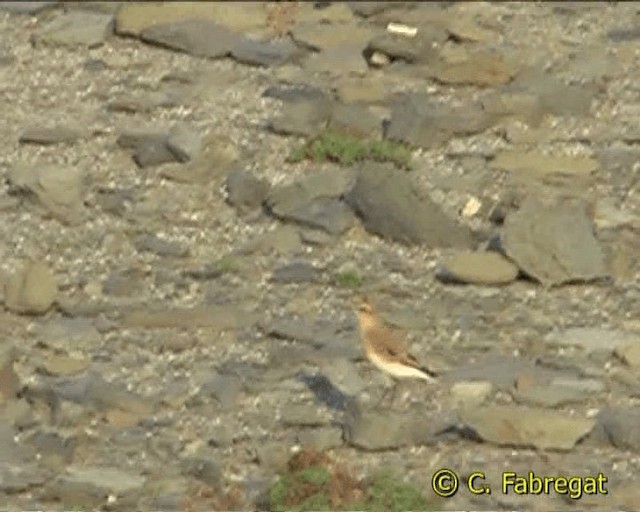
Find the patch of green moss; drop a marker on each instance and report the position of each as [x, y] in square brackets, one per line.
[302, 490]
[316, 488]
[226, 264]
[346, 149]
[390, 494]
[349, 280]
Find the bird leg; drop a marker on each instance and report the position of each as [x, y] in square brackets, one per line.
[389, 389]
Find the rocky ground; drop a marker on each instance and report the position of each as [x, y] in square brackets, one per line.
[178, 294]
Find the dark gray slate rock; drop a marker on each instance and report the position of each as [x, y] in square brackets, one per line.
[419, 49]
[224, 388]
[76, 29]
[418, 121]
[198, 37]
[23, 7]
[554, 96]
[153, 152]
[356, 120]
[161, 247]
[554, 243]
[291, 93]
[624, 35]
[306, 117]
[245, 191]
[622, 427]
[296, 272]
[46, 135]
[392, 207]
[374, 430]
[315, 201]
[263, 53]
[184, 143]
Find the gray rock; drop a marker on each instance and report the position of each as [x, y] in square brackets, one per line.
[320, 439]
[343, 373]
[624, 34]
[211, 316]
[16, 472]
[621, 427]
[554, 244]
[9, 380]
[367, 9]
[296, 272]
[31, 290]
[293, 329]
[262, 53]
[51, 445]
[134, 103]
[130, 138]
[153, 152]
[555, 97]
[592, 339]
[169, 493]
[219, 155]
[325, 36]
[124, 283]
[472, 392]
[417, 49]
[418, 121]
[306, 117]
[58, 189]
[292, 93]
[184, 142]
[246, 191]
[314, 201]
[630, 353]
[392, 207]
[284, 239]
[316, 237]
[346, 59]
[478, 68]
[160, 247]
[355, 120]
[225, 389]
[486, 268]
[303, 415]
[501, 371]
[91, 390]
[22, 7]
[331, 215]
[273, 455]
[67, 334]
[520, 426]
[203, 465]
[90, 486]
[50, 135]
[197, 37]
[551, 389]
[76, 28]
[374, 430]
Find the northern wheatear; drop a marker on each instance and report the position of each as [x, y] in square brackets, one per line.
[386, 349]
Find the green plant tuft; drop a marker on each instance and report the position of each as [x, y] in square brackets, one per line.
[323, 486]
[346, 149]
[226, 264]
[348, 280]
[389, 494]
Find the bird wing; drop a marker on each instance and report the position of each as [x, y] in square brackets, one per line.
[389, 342]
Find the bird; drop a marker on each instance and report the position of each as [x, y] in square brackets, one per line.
[386, 349]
